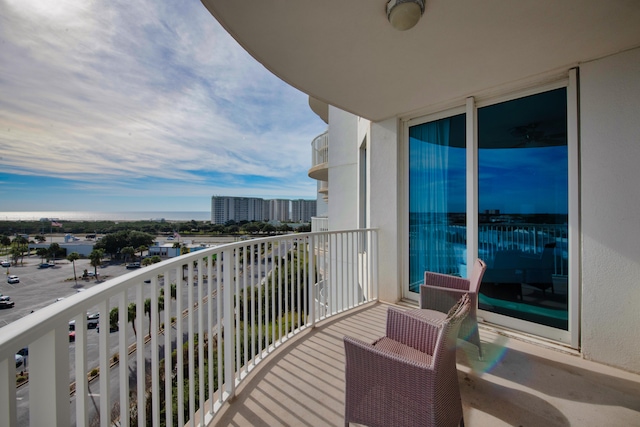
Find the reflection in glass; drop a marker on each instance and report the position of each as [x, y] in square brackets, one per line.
[523, 207]
[437, 201]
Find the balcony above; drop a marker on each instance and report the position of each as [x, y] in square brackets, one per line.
[320, 158]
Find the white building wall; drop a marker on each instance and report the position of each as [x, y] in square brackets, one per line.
[610, 200]
[384, 201]
[343, 170]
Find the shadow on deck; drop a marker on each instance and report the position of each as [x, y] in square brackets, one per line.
[517, 384]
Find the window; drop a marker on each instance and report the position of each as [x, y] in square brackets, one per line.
[437, 199]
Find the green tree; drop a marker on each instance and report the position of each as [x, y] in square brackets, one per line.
[284, 228]
[42, 253]
[268, 228]
[250, 228]
[128, 252]
[139, 238]
[73, 257]
[304, 228]
[112, 243]
[40, 238]
[95, 257]
[54, 249]
[5, 241]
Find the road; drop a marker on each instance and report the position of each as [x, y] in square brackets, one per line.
[41, 287]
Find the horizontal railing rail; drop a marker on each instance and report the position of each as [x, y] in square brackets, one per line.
[199, 323]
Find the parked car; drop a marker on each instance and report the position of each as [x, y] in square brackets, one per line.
[13, 279]
[19, 360]
[24, 351]
[92, 322]
[5, 263]
[44, 265]
[133, 265]
[5, 302]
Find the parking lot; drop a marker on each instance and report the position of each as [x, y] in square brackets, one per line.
[39, 287]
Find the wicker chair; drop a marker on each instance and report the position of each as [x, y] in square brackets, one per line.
[441, 291]
[409, 376]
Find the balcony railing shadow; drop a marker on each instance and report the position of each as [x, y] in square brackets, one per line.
[518, 383]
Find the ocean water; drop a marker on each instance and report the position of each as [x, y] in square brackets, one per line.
[105, 216]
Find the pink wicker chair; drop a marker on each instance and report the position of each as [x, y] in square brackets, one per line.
[441, 291]
[409, 376]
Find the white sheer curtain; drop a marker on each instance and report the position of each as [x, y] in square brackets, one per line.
[430, 248]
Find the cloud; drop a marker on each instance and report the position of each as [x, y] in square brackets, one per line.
[110, 92]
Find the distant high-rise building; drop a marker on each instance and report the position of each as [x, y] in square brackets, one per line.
[279, 210]
[303, 210]
[226, 208]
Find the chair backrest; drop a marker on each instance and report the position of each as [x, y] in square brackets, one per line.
[446, 344]
[479, 267]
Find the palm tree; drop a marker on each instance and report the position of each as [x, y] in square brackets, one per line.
[96, 256]
[141, 249]
[132, 313]
[147, 311]
[20, 246]
[113, 319]
[73, 257]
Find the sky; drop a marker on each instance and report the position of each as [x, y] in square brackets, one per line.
[111, 105]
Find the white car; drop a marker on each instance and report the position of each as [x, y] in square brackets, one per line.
[5, 263]
[13, 279]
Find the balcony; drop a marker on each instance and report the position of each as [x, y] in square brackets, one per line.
[286, 303]
[230, 307]
[320, 157]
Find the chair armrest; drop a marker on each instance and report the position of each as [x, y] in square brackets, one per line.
[441, 299]
[446, 281]
[414, 331]
[363, 357]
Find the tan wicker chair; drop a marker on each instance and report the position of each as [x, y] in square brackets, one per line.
[409, 376]
[441, 291]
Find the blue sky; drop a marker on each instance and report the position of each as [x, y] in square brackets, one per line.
[146, 105]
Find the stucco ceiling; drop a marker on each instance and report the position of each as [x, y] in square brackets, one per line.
[346, 53]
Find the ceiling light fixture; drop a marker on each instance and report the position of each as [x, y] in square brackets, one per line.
[404, 14]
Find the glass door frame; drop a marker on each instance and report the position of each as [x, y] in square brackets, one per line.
[570, 337]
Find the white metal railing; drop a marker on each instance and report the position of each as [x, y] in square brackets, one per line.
[320, 149]
[225, 307]
[319, 223]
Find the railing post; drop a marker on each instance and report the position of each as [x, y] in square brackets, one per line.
[49, 378]
[8, 413]
[228, 321]
[313, 288]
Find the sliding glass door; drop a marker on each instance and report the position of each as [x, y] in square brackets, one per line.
[494, 183]
[523, 208]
